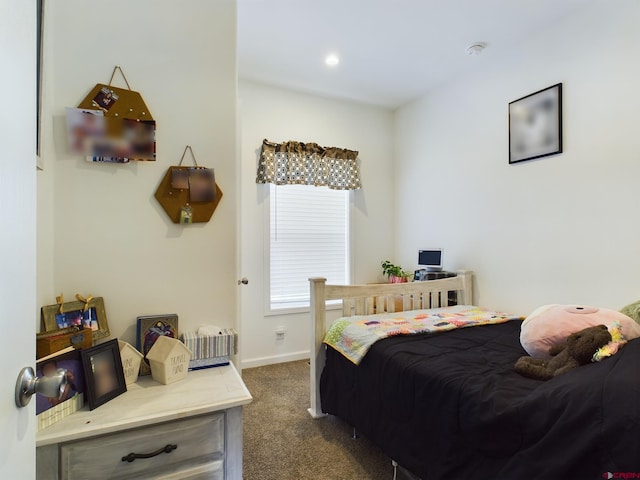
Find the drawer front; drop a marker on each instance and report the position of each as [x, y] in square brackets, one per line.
[199, 440]
[210, 471]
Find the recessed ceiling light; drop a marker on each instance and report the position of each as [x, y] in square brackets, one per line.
[332, 60]
[475, 49]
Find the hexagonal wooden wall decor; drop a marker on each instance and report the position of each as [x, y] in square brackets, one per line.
[173, 199]
[119, 104]
[128, 105]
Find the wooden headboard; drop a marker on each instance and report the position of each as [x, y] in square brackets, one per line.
[371, 299]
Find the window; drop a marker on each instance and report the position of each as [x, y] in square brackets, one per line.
[309, 237]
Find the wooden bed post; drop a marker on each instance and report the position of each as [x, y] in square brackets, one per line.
[317, 352]
[467, 287]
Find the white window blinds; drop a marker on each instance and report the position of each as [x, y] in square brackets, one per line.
[309, 237]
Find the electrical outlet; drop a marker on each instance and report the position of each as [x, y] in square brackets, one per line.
[280, 332]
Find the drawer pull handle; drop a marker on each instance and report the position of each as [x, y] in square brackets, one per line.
[132, 456]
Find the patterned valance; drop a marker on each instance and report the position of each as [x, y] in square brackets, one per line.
[296, 163]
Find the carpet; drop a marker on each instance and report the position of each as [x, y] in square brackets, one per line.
[283, 442]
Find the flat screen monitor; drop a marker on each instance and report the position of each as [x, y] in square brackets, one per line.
[430, 259]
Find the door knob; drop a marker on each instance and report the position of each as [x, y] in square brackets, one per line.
[243, 281]
[28, 384]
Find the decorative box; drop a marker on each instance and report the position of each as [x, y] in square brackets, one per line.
[169, 360]
[58, 412]
[131, 360]
[210, 347]
[51, 342]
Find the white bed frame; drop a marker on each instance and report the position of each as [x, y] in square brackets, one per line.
[371, 299]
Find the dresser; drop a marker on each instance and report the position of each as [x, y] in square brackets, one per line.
[191, 429]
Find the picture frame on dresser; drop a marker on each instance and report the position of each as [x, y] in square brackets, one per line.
[148, 329]
[50, 410]
[77, 314]
[535, 125]
[103, 372]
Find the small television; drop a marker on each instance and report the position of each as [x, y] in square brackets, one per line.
[430, 259]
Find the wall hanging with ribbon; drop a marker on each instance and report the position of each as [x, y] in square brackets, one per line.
[189, 194]
[112, 124]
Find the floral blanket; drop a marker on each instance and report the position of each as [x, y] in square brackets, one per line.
[354, 336]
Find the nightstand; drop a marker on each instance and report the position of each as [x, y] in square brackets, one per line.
[194, 428]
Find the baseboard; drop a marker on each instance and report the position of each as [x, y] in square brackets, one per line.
[271, 360]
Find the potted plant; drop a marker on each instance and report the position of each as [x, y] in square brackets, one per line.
[395, 272]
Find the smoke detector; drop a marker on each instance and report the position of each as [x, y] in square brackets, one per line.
[475, 49]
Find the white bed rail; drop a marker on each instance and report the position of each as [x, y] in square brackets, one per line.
[371, 299]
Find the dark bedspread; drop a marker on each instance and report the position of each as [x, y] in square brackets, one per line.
[450, 406]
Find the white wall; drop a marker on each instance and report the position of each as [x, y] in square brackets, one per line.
[109, 236]
[281, 115]
[18, 220]
[556, 230]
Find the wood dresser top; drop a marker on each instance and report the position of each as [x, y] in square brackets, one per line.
[148, 402]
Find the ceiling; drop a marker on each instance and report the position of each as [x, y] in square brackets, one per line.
[391, 51]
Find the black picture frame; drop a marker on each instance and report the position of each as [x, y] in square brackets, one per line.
[535, 125]
[103, 373]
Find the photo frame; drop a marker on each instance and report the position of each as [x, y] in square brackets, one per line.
[71, 362]
[148, 329]
[76, 315]
[103, 373]
[202, 185]
[535, 125]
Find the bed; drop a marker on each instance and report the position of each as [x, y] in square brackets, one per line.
[449, 404]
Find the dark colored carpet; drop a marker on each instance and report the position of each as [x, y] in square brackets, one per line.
[283, 442]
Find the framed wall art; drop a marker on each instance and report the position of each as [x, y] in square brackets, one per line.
[84, 313]
[103, 373]
[535, 125]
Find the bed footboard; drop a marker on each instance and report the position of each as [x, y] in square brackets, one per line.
[371, 299]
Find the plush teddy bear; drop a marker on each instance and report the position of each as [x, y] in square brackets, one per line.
[578, 350]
